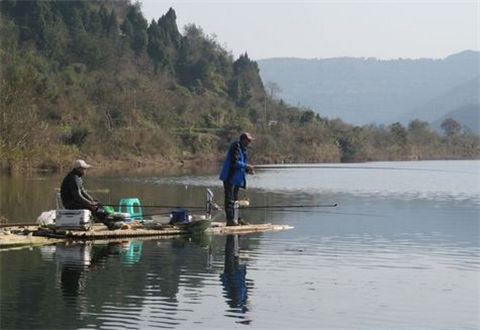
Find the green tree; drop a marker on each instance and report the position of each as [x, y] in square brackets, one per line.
[245, 84]
[155, 48]
[170, 35]
[307, 117]
[451, 127]
[112, 26]
[399, 134]
[135, 29]
[350, 148]
[32, 16]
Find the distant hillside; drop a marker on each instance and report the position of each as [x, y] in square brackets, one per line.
[460, 96]
[362, 91]
[468, 116]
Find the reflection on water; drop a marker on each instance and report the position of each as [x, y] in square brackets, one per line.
[385, 260]
[92, 278]
[234, 278]
[76, 260]
[71, 261]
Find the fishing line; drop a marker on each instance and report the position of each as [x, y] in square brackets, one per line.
[307, 166]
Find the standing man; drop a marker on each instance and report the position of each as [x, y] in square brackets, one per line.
[74, 196]
[233, 175]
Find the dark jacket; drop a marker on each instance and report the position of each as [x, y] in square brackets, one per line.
[235, 165]
[72, 192]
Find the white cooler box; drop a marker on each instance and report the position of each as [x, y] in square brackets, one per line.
[73, 219]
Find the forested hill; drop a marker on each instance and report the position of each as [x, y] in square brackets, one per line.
[94, 79]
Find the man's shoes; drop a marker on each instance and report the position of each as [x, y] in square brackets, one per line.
[115, 225]
[242, 222]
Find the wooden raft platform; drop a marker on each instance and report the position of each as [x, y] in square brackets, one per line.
[217, 228]
[39, 236]
[10, 239]
[221, 228]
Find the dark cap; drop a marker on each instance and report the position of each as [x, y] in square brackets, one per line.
[246, 136]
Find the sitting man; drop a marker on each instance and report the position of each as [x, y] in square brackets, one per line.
[75, 197]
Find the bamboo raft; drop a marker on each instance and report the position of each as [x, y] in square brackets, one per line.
[18, 236]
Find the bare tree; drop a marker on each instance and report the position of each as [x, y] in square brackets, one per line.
[272, 89]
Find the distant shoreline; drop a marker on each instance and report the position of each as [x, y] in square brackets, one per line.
[195, 164]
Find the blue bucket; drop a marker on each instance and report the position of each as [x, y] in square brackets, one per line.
[179, 215]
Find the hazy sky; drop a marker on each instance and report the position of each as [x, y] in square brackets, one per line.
[383, 29]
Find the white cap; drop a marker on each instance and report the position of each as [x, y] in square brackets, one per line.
[80, 163]
[247, 136]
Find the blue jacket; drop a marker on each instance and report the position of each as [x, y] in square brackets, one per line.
[235, 165]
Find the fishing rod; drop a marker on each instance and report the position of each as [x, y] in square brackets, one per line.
[161, 206]
[286, 166]
[96, 191]
[247, 207]
[291, 206]
[297, 211]
[154, 214]
[372, 215]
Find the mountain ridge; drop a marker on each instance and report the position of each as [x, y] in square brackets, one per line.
[369, 90]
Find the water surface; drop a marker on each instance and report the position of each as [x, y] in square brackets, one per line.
[401, 250]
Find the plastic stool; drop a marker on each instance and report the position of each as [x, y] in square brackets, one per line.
[132, 206]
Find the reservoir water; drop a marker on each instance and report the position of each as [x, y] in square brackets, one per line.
[401, 250]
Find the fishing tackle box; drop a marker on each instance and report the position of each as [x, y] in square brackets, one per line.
[73, 219]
